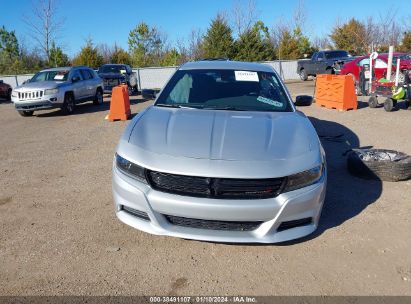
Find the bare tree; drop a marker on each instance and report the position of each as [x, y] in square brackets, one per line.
[195, 45]
[300, 15]
[244, 16]
[44, 24]
[105, 51]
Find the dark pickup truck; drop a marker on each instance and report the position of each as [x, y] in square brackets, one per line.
[322, 62]
[115, 74]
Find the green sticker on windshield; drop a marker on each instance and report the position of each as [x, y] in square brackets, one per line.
[270, 102]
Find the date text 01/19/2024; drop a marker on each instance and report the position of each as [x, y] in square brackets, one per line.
[203, 299]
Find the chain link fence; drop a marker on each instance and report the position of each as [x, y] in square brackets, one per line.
[156, 77]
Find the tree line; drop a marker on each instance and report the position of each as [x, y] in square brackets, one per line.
[239, 35]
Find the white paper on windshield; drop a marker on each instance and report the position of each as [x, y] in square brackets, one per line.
[246, 76]
[59, 77]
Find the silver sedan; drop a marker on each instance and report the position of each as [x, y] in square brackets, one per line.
[223, 156]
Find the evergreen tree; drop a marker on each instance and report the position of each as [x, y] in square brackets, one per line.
[9, 52]
[145, 45]
[406, 43]
[218, 41]
[88, 56]
[57, 56]
[254, 44]
[294, 45]
[120, 56]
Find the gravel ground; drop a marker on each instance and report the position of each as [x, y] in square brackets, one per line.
[59, 234]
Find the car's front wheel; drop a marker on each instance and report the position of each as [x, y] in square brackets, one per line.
[98, 99]
[68, 105]
[26, 113]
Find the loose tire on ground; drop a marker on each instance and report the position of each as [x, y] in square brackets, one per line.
[387, 170]
[26, 113]
[373, 102]
[68, 105]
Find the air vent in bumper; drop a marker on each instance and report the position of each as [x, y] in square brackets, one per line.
[211, 224]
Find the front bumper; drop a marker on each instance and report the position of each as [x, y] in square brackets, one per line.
[46, 102]
[287, 207]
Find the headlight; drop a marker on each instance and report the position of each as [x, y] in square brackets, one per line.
[14, 94]
[303, 179]
[51, 91]
[131, 169]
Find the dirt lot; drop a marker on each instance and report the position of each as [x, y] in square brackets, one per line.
[59, 234]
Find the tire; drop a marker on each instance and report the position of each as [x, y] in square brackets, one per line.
[26, 113]
[373, 102]
[303, 75]
[68, 105]
[130, 90]
[98, 98]
[381, 169]
[389, 104]
[8, 96]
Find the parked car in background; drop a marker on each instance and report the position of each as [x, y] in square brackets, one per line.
[58, 88]
[322, 62]
[380, 66]
[223, 155]
[115, 74]
[5, 90]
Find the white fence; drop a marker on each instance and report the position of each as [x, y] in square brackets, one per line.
[155, 78]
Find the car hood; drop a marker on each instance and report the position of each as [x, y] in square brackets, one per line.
[40, 85]
[111, 75]
[224, 135]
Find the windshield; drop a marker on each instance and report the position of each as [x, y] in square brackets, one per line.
[336, 54]
[50, 76]
[401, 57]
[225, 90]
[111, 69]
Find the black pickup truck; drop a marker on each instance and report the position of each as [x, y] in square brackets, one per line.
[322, 62]
[115, 74]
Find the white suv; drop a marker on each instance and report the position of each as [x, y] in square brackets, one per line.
[58, 88]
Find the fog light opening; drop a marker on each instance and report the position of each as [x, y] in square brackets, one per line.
[295, 223]
[137, 213]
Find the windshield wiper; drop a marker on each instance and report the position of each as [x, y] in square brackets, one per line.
[228, 108]
[173, 105]
[168, 105]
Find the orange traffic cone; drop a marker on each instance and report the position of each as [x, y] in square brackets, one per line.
[119, 104]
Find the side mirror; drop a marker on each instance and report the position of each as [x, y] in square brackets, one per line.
[75, 79]
[303, 101]
[26, 81]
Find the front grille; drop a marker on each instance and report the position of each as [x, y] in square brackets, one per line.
[111, 82]
[140, 214]
[212, 225]
[295, 223]
[30, 95]
[219, 188]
